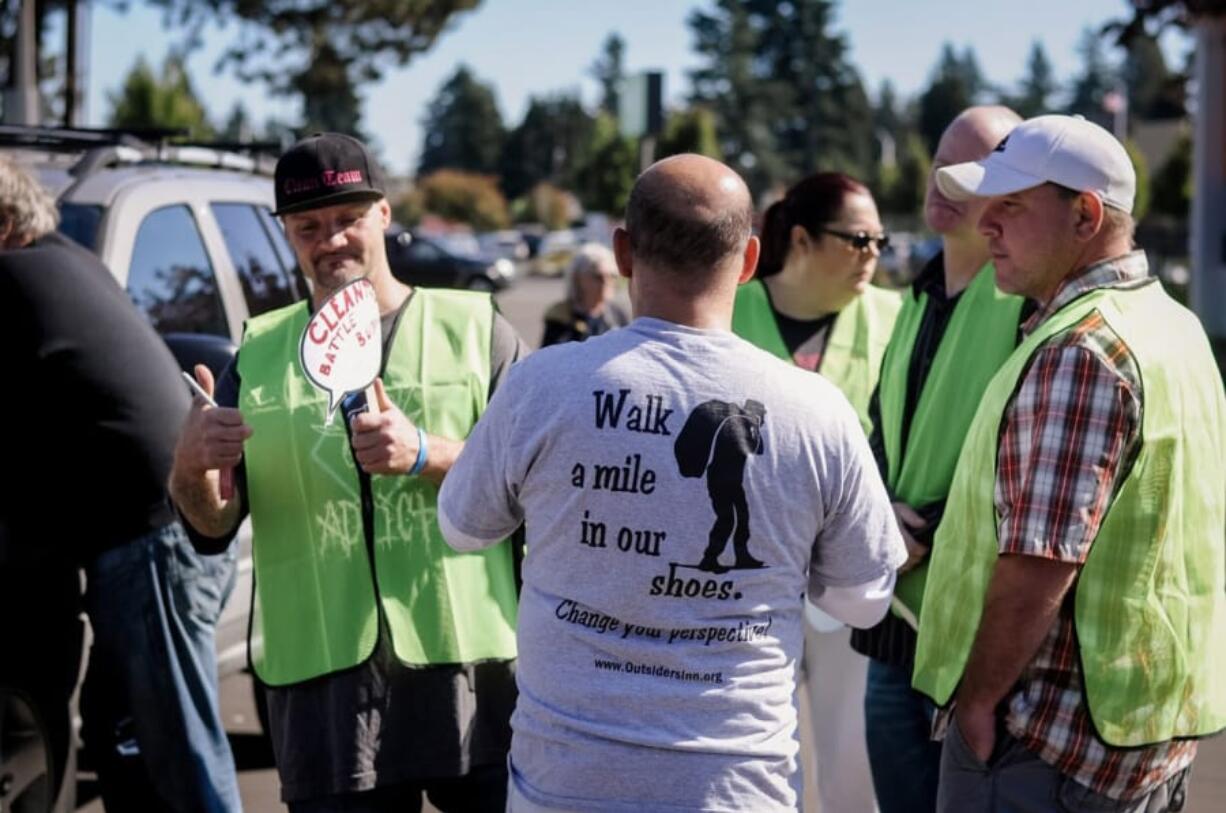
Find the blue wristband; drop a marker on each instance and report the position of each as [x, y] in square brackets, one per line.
[422, 454]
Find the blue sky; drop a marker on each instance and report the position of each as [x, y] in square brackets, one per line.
[526, 47]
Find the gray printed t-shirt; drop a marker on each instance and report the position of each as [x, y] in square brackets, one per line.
[680, 490]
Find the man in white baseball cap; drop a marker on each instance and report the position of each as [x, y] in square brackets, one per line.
[1078, 650]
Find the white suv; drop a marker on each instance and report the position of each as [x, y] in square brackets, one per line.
[189, 233]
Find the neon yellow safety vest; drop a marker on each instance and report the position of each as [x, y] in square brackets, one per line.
[319, 592]
[1150, 601]
[857, 340]
[980, 335]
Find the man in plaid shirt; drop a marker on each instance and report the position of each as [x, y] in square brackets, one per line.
[1046, 713]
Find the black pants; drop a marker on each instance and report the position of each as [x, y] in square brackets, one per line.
[481, 790]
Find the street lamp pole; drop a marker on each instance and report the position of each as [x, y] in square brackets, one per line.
[1208, 223]
[21, 99]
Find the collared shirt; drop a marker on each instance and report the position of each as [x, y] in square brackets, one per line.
[1068, 440]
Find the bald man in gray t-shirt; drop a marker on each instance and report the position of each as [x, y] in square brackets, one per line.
[656, 666]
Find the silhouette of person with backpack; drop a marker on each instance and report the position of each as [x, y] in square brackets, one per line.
[717, 440]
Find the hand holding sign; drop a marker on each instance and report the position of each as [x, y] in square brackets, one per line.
[384, 442]
[341, 348]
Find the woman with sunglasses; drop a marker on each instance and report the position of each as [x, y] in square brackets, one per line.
[811, 302]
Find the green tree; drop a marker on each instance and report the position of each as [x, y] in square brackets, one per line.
[1094, 82]
[887, 115]
[956, 85]
[610, 71]
[785, 96]
[604, 180]
[408, 208]
[1140, 205]
[463, 128]
[1038, 86]
[690, 130]
[330, 102]
[1172, 183]
[1154, 92]
[903, 186]
[284, 44]
[550, 144]
[166, 100]
[729, 84]
[547, 205]
[465, 197]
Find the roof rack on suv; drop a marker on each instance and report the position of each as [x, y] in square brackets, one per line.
[105, 147]
[75, 138]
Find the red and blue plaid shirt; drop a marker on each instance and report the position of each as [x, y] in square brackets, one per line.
[1068, 440]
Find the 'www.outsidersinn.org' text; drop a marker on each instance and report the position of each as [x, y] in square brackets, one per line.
[659, 671]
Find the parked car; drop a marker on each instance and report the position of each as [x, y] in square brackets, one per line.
[190, 235]
[421, 260]
[554, 252]
[507, 243]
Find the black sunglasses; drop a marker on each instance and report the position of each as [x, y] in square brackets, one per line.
[861, 240]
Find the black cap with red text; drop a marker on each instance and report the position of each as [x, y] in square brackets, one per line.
[326, 169]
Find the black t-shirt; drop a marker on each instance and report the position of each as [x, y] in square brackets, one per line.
[93, 405]
[805, 339]
[382, 723]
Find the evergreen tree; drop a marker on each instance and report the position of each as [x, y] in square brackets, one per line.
[165, 101]
[279, 42]
[1140, 202]
[692, 130]
[463, 128]
[887, 115]
[956, 85]
[1094, 82]
[1154, 92]
[610, 71]
[903, 187]
[604, 180]
[330, 102]
[548, 145]
[1038, 86]
[1172, 184]
[786, 99]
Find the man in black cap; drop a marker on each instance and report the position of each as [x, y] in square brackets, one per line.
[389, 659]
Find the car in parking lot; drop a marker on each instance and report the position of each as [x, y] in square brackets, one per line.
[189, 233]
[419, 259]
[504, 243]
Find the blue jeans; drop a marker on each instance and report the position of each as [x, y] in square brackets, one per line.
[904, 759]
[149, 702]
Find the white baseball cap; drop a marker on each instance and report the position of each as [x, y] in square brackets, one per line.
[1064, 150]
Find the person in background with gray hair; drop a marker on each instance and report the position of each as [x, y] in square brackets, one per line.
[589, 309]
[91, 452]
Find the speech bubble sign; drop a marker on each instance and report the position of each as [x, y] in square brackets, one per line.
[342, 346]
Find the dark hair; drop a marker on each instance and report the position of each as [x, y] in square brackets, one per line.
[682, 239]
[812, 203]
